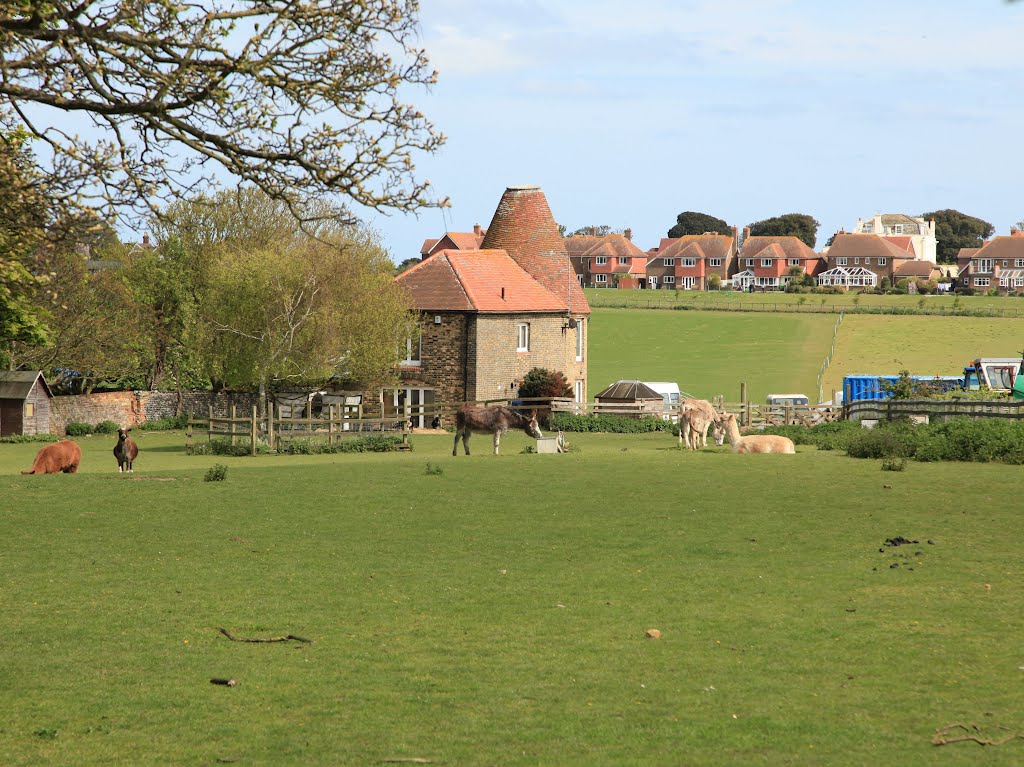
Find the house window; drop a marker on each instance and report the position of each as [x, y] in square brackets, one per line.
[602, 260]
[750, 263]
[689, 262]
[1018, 262]
[623, 260]
[867, 261]
[688, 283]
[652, 281]
[897, 228]
[30, 409]
[669, 279]
[1018, 282]
[523, 340]
[856, 260]
[669, 261]
[984, 264]
[1004, 262]
[883, 261]
[766, 262]
[600, 279]
[840, 262]
[577, 390]
[413, 347]
[793, 262]
[981, 282]
[714, 262]
[579, 340]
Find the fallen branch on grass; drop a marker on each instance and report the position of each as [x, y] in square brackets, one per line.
[287, 638]
[413, 759]
[974, 735]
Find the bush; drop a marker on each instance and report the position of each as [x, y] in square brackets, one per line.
[611, 424]
[894, 464]
[824, 436]
[224, 447]
[216, 473]
[164, 424]
[370, 443]
[17, 439]
[984, 440]
[78, 429]
[106, 427]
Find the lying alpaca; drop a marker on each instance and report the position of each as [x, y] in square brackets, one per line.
[755, 443]
[695, 416]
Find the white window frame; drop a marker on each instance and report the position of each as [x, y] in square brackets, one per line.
[1018, 262]
[897, 228]
[688, 262]
[652, 281]
[601, 260]
[688, 283]
[413, 349]
[600, 279]
[714, 262]
[579, 340]
[793, 262]
[668, 279]
[750, 263]
[766, 262]
[1018, 282]
[1004, 263]
[882, 261]
[523, 337]
[623, 259]
[982, 282]
[668, 261]
[984, 264]
[840, 261]
[577, 390]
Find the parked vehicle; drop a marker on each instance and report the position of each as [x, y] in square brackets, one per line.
[670, 393]
[787, 399]
[997, 373]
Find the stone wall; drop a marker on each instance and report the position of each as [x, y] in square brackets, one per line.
[130, 408]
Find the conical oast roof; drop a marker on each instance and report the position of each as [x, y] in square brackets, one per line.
[525, 229]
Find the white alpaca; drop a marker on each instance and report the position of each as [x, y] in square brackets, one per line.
[754, 443]
[695, 416]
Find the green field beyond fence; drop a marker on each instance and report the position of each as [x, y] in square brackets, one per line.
[493, 610]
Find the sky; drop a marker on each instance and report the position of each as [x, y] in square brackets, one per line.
[627, 114]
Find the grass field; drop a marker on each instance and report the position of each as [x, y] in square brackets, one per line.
[710, 353]
[495, 613]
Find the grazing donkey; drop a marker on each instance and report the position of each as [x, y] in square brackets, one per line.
[63, 456]
[125, 451]
[495, 419]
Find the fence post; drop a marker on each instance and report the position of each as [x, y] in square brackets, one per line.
[270, 426]
[209, 426]
[330, 424]
[188, 434]
[233, 415]
[252, 430]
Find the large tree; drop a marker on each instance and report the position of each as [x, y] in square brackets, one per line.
[302, 100]
[692, 222]
[955, 230]
[800, 225]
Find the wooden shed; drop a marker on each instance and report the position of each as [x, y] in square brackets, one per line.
[629, 398]
[24, 403]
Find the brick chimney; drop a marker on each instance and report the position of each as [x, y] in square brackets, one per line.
[746, 232]
[476, 230]
[628, 234]
[1014, 232]
[145, 240]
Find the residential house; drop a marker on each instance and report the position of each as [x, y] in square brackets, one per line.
[454, 241]
[608, 261]
[487, 316]
[998, 264]
[689, 262]
[863, 260]
[765, 262]
[913, 234]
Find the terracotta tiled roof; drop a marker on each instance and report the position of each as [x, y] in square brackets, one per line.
[427, 246]
[476, 280]
[793, 247]
[453, 241]
[579, 244]
[1001, 247]
[712, 245]
[906, 243]
[916, 268]
[773, 251]
[524, 228]
[614, 245]
[865, 246]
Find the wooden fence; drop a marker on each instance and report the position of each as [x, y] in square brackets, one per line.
[935, 409]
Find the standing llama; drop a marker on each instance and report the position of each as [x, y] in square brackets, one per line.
[753, 443]
[695, 416]
[125, 451]
[495, 419]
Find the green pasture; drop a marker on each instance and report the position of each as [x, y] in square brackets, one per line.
[800, 302]
[710, 353]
[495, 612]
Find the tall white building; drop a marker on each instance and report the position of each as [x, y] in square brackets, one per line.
[912, 234]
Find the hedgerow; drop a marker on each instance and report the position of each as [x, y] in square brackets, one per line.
[983, 440]
[612, 424]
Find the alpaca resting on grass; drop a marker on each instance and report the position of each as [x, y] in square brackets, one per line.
[753, 443]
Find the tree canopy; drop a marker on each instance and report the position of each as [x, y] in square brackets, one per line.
[800, 225]
[692, 222]
[955, 230]
[300, 100]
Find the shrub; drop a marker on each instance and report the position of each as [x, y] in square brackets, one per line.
[433, 470]
[612, 424]
[894, 464]
[106, 427]
[17, 439]
[370, 443]
[824, 436]
[983, 440]
[77, 429]
[164, 424]
[216, 473]
[224, 447]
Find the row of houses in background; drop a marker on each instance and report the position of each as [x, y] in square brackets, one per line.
[892, 247]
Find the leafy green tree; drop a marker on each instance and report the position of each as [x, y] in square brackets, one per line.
[595, 231]
[406, 265]
[799, 225]
[301, 100]
[692, 222]
[955, 230]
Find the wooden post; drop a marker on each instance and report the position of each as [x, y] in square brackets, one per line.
[789, 415]
[233, 416]
[209, 426]
[270, 426]
[252, 432]
[744, 405]
[330, 425]
[188, 434]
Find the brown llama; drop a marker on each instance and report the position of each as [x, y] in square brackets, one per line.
[755, 443]
[494, 419]
[695, 416]
[63, 456]
[125, 451]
